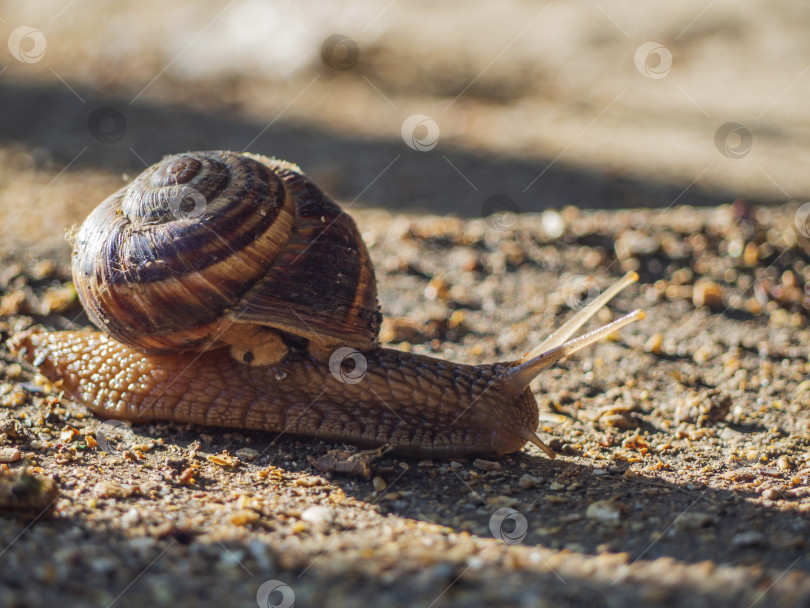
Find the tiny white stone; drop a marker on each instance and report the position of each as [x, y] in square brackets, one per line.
[603, 510]
[553, 223]
[318, 515]
[247, 454]
[130, 518]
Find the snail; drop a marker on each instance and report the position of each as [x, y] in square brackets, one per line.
[231, 291]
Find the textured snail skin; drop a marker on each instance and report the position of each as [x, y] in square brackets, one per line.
[421, 406]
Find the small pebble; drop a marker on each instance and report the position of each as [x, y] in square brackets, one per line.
[772, 494]
[619, 421]
[487, 465]
[751, 254]
[111, 489]
[379, 484]
[10, 454]
[632, 243]
[707, 293]
[502, 501]
[42, 269]
[11, 303]
[248, 454]
[244, 517]
[654, 343]
[553, 223]
[604, 510]
[528, 481]
[223, 460]
[318, 515]
[57, 299]
[68, 434]
[130, 518]
[783, 463]
[565, 396]
[437, 289]
[750, 539]
[729, 434]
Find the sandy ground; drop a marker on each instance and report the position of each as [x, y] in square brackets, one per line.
[683, 473]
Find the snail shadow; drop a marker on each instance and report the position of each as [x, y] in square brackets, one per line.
[656, 519]
[112, 566]
[645, 518]
[63, 131]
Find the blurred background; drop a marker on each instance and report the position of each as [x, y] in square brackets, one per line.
[458, 107]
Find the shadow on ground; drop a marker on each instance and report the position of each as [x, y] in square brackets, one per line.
[654, 507]
[381, 172]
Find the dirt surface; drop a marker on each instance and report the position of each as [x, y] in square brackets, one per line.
[683, 469]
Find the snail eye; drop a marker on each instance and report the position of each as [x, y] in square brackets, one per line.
[247, 357]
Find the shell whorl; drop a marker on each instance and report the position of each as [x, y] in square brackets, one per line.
[203, 240]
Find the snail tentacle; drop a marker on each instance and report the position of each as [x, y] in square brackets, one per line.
[521, 375]
[582, 316]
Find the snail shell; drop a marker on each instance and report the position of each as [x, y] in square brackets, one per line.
[206, 249]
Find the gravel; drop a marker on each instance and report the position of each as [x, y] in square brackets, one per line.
[683, 476]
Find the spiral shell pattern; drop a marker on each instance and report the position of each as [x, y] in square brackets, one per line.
[205, 240]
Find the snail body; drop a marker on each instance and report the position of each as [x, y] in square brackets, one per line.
[291, 349]
[409, 401]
